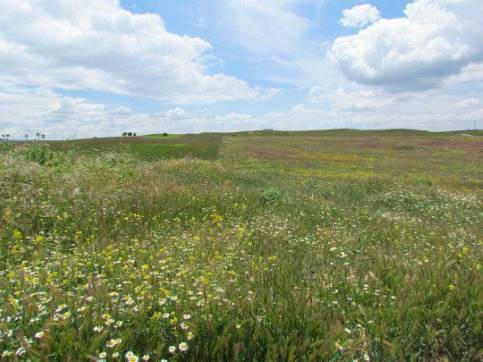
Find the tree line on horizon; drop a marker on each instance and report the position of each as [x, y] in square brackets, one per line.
[38, 136]
[129, 134]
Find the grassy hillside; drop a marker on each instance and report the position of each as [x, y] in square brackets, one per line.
[297, 246]
[148, 148]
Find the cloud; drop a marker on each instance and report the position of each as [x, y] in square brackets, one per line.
[31, 110]
[469, 103]
[434, 40]
[472, 73]
[352, 99]
[361, 100]
[360, 16]
[274, 38]
[91, 44]
[264, 28]
[268, 93]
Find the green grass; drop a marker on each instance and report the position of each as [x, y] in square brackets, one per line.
[300, 246]
[149, 148]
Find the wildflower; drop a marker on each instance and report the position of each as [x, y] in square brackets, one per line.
[187, 316]
[39, 335]
[112, 343]
[103, 355]
[131, 357]
[115, 355]
[146, 357]
[339, 347]
[366, 357]
[97, 329]
[20, 352]
[184, 326]
[172, 349]
[190, 336]
[60, 308]
[183, 346]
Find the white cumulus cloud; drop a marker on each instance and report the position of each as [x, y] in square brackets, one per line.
[360, 16]
[27, 111]
[434, 40]
[352, 99]
[470, 103]
[96, 44]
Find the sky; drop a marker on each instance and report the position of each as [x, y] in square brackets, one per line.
[84, 68]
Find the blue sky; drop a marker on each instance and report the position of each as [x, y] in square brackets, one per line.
[197, 18]
[72, 68]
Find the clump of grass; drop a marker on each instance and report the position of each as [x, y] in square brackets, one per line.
[38, 152]
[270, 196]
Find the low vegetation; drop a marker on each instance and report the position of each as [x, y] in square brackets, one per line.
[313, 246]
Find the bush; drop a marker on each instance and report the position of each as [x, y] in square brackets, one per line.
[39, 153]
[270, 196]
[6, 147]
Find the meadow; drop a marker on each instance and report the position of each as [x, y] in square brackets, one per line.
[254, 246]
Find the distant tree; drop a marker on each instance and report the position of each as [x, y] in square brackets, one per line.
[26, 137]
[43, 136]
[124, 134]
[165, 134]
[37, 134]
[134, 134]
[129, 134]
[8, 136]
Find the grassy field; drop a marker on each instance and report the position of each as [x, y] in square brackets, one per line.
[254, 246]
[149, 148]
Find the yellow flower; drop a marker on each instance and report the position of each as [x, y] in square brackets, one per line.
[17, 234]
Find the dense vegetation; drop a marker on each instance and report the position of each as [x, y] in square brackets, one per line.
[312, 246]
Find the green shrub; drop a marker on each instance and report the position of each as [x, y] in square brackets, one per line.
[6, 147]
[270, 196]
[38, 152]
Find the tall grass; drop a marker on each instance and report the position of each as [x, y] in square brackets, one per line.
[105, 257]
